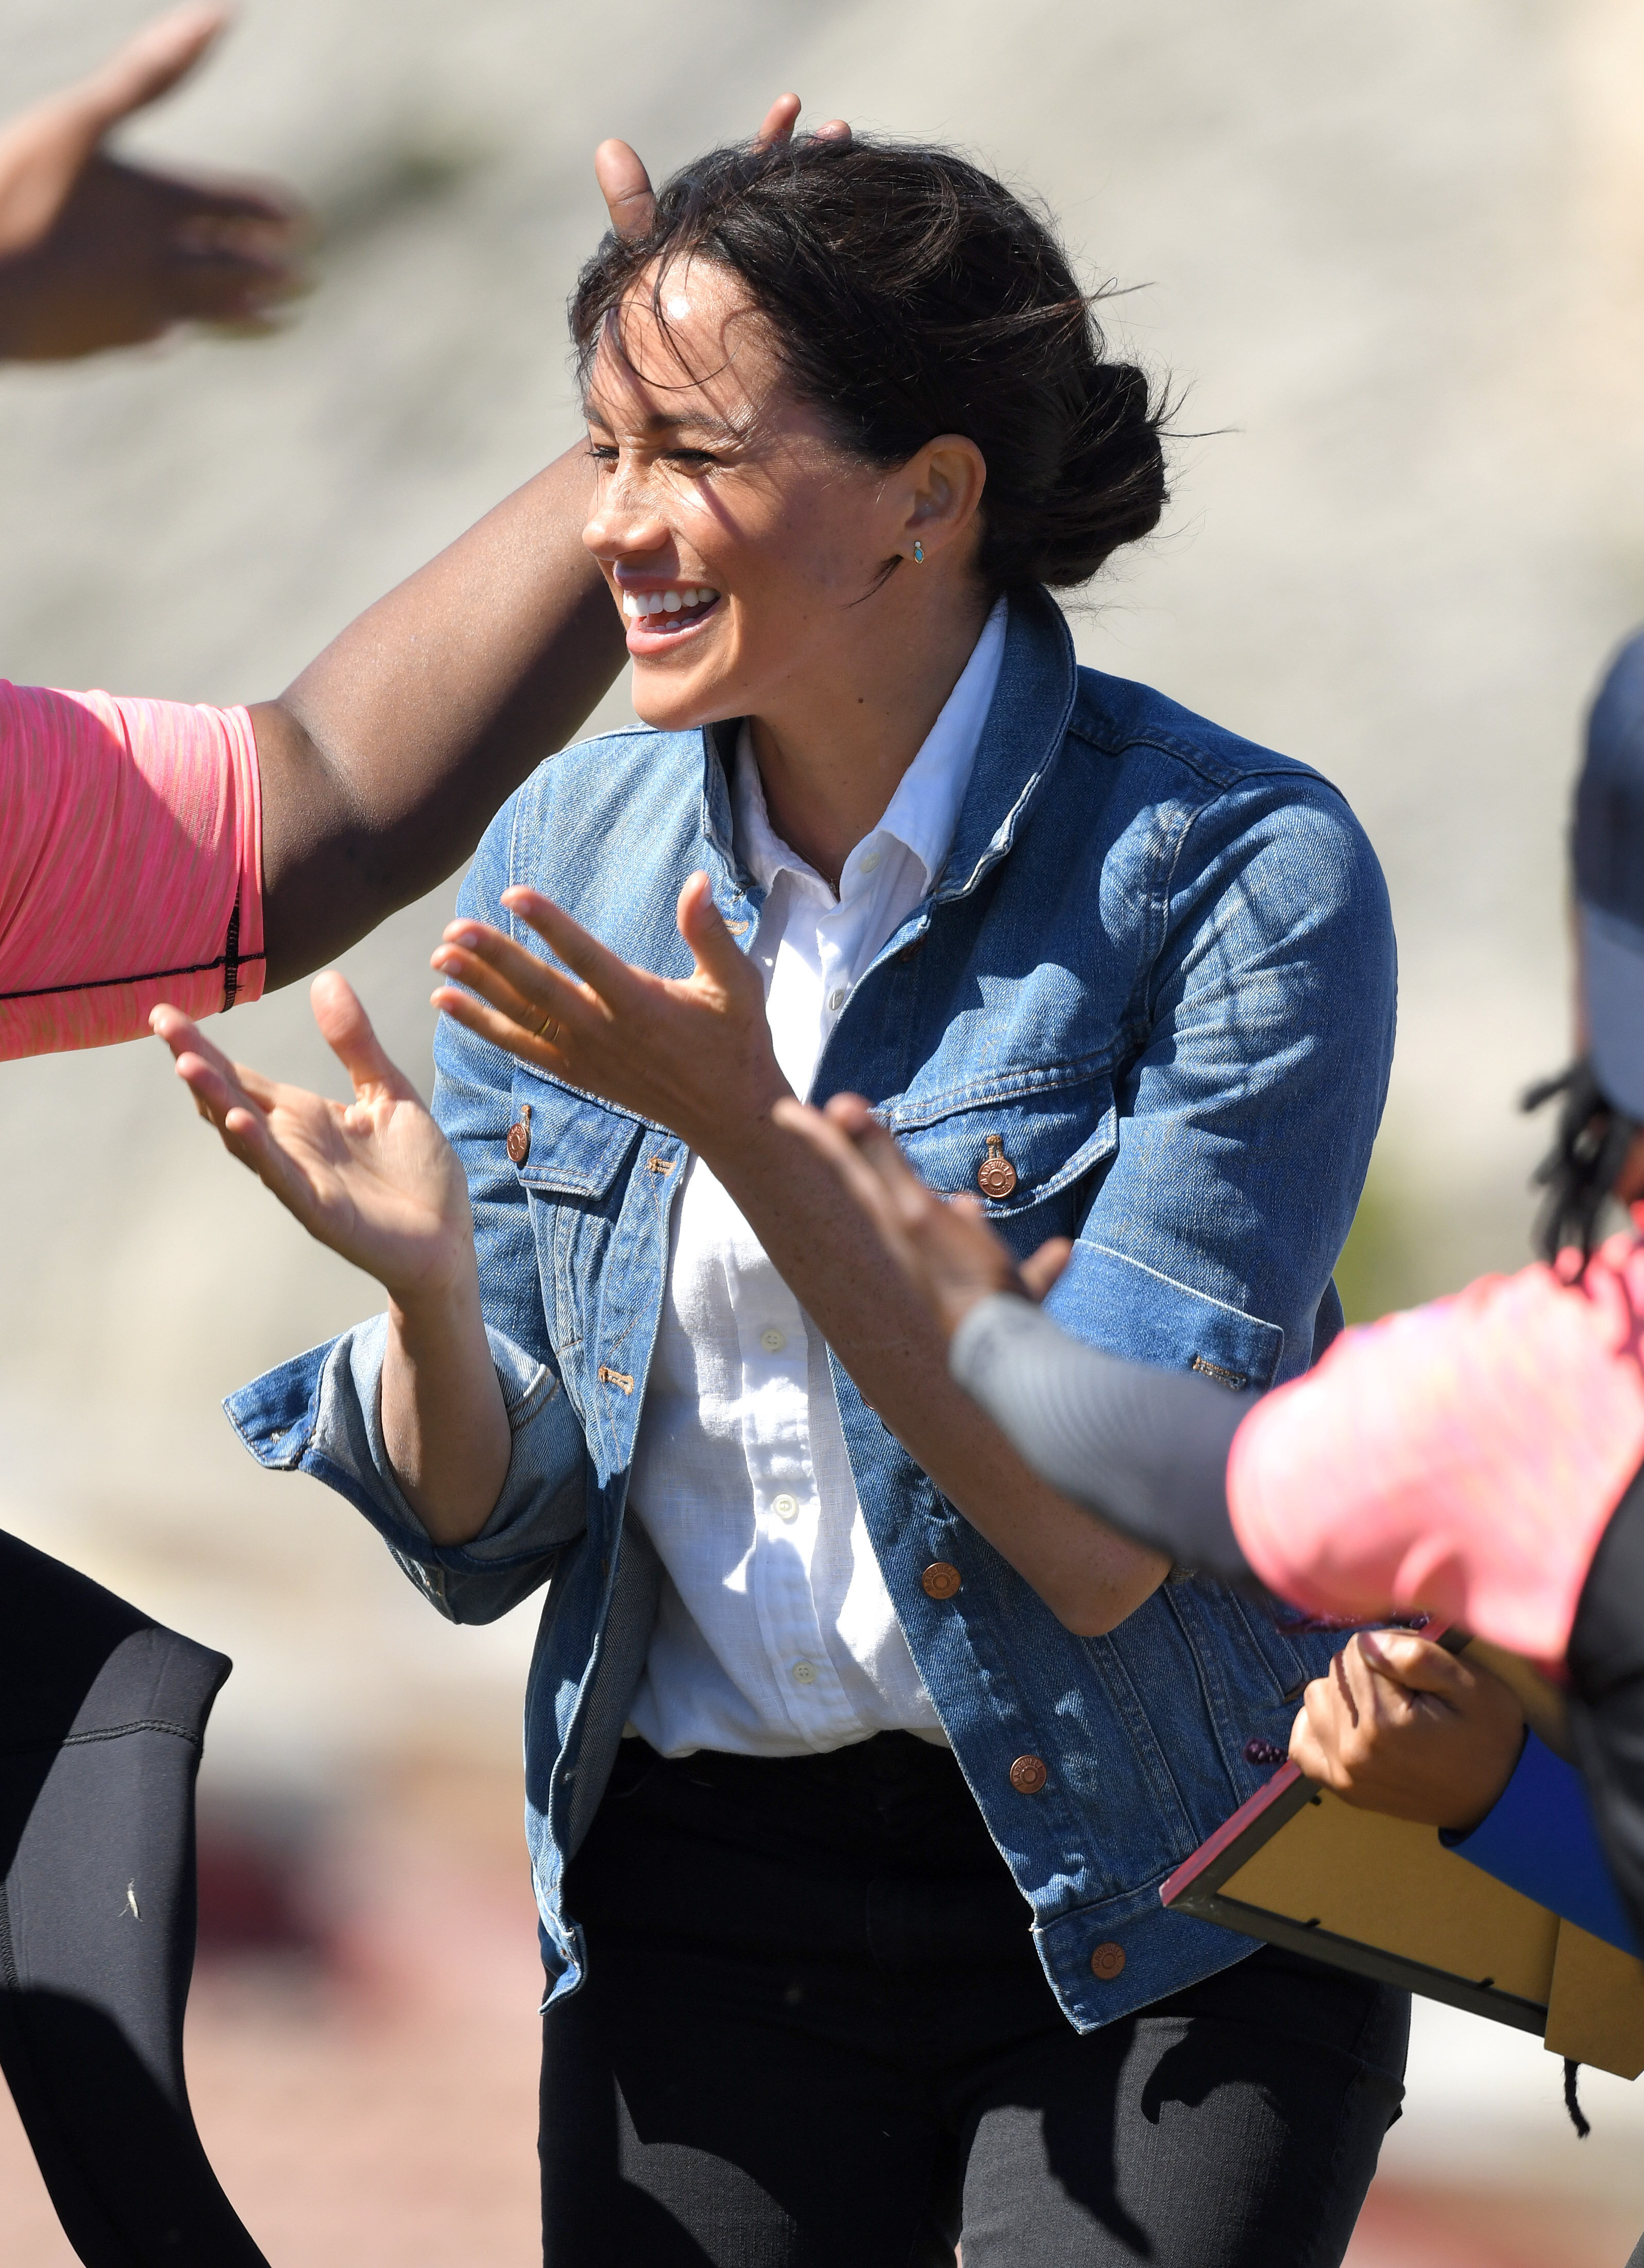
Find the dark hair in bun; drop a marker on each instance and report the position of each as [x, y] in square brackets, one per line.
[912, 294]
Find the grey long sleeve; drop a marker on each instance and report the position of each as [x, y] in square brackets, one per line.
[1146, 1448]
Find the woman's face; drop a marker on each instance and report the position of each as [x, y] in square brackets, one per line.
[735, 535]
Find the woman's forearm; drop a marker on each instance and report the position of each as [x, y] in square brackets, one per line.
[831, 1260]
[381, 763]
[443, 1416]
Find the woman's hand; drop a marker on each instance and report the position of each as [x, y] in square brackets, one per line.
[374, 1179]
[377, 1181]
[692, 1054]
[943, 1246]
[1399, 1726]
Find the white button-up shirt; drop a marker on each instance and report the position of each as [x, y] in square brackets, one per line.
[777, 1636]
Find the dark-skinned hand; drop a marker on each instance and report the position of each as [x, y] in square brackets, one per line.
[943, 1246]
[1399, 1726]
[98, 252]
[626, 186]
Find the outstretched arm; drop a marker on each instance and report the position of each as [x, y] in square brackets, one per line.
[383, 762]
[1146, 1448]
[135, 870]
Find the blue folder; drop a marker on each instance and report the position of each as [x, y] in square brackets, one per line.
[1541, 1839]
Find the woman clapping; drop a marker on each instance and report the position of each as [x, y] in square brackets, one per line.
[854, 1941]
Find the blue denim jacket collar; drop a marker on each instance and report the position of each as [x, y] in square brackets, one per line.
[725, 870]
[1026, 727]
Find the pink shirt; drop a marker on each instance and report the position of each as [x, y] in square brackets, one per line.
[131, 865]
[1464, 1458]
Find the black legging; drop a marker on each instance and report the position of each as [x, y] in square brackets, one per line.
[101, 1716]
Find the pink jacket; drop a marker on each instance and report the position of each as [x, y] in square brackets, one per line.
[1464, 1458]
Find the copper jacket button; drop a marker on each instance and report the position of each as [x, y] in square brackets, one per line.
[996, 1176]
[939, 1581]
[1028, 1775]
[519, 1142]
[1106, 1962]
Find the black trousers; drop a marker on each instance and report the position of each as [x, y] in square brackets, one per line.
[815, 2033]
[101, 1716]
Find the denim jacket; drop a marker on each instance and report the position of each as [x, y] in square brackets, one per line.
[1159, 966]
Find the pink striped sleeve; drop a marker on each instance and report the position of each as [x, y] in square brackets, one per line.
[131, 865]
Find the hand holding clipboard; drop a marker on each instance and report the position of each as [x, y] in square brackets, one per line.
[1301, 1865]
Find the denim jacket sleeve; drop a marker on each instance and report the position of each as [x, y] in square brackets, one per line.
[321, 1413]
[1247, 1113]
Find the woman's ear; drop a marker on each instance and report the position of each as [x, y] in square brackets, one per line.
[944, 485]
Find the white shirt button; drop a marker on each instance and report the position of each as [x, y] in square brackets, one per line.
[785, 1506]
[772, 1340]
[805, 1673]
[836, 1001]
[870, 860]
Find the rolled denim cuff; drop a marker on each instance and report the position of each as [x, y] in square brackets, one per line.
[321, 1414]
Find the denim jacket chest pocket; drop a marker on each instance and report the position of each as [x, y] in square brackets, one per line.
[574, 1158]
[1026, 1151]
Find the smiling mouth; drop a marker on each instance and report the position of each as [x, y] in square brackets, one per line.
[661, 611]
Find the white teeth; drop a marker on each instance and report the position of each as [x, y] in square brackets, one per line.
[637, 605]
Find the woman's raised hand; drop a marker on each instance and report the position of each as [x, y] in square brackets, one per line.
[626, 186]
[942, 1245]
[375, 1178]
[694, 1053]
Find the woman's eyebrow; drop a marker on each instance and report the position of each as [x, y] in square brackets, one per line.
[660, 421]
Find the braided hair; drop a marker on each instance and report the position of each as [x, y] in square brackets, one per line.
[1590, 1144]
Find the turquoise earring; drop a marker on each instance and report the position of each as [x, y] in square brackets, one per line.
[918, 554]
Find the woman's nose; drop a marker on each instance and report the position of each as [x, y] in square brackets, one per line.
[624, 528]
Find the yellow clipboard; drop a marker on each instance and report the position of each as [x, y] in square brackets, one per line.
[1298, 1867]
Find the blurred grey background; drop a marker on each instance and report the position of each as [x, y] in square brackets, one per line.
[1393, 256]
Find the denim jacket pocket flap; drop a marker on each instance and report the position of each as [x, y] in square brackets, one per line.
[1016, 1150]
[1118, 1303]
[572, 1146]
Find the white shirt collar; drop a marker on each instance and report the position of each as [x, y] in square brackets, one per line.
[924, 812]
